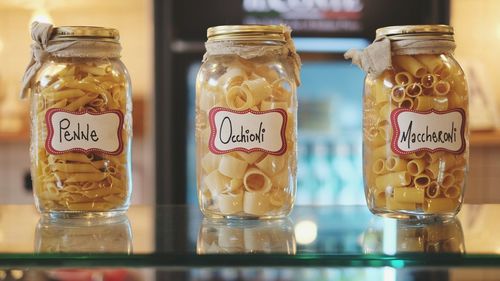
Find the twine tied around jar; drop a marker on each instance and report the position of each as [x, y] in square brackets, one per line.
[376, 58]
[248, 51]
[43, 47]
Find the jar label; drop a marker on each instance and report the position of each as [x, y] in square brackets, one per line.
[84, 131]
[247, 131]
[429, 131]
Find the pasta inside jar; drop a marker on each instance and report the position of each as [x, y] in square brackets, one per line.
[415, 134]
[246, 131]
[81, 128]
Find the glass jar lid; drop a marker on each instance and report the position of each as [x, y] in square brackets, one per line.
[437, 29]
[90, 32]
[246, 33]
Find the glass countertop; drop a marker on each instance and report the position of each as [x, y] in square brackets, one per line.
[179, 237]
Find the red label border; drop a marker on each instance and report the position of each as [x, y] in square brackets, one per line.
[50, 132]
[213, 131]
[396, 131]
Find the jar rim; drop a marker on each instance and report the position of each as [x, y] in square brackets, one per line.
[89, 32]
[434, 29]
[246, 33]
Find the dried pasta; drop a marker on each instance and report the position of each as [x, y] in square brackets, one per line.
[421, 182]
[80, 181]
[245, 183]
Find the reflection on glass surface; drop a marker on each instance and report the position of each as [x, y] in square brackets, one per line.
[222, 236]
[97, 235]
[413, 237]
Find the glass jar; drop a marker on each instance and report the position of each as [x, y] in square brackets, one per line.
[81, 123]
[415, 125]
[246, 122]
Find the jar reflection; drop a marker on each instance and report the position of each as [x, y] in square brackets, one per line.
[98, 235]
[223, 237]
[438, 237]
[391, 237]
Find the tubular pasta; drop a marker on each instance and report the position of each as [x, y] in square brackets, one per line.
[396, 164]
[413, 90]
[432, 63]
[232, 167]
[216, 182]
[409, 195]
[403, 78]
[432, 190]
[428, 81]
[256, 181]
[421, 83]
[398, 93]
[242, 84]
[259, 88]
[423, 103]
[379, 167]
[85, 177]
[452, 192]
[268, 105]
[408, 63]
[74, 168]
[256, 203]
[416, 166]
[239, 98]
[382, 92]
[448, 180]
[441, 88]
[433, 170]
[251, 157]
[393, 179]
[440, 205]
[393, 204]
[230, 203]
[210, 162]
[271, 164]
[422, 181]
[406, 103]
[281, 180]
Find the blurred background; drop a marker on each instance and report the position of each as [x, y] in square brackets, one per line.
[163, 46]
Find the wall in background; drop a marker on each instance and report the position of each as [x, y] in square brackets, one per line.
[477, 34]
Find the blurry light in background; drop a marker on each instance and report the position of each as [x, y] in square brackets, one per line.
[1, 45]
[41, 15]
[306, 232]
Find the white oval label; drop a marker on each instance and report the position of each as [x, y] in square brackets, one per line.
[247, 131]
[84, 131]
[428, 131]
